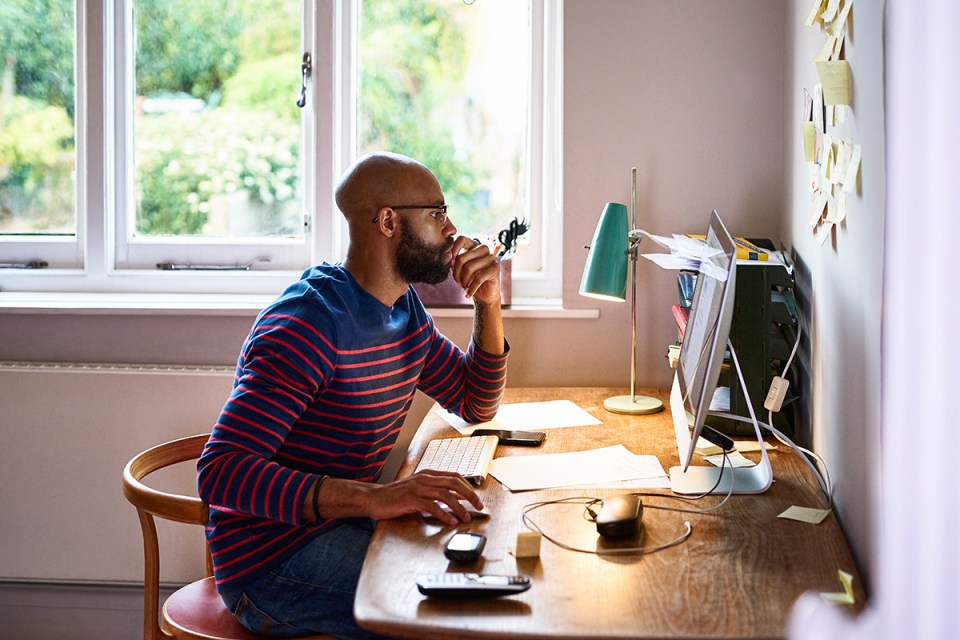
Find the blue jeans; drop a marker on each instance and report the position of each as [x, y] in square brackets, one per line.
[312, 592]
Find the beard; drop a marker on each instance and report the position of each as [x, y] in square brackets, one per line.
[419, 261]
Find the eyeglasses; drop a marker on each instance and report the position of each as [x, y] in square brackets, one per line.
[437, 212]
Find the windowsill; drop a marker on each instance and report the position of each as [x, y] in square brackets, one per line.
[180, 304]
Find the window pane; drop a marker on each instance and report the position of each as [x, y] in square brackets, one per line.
[216, 125]
[448, 83]
[37, 142]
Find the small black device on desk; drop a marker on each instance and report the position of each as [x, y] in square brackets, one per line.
[519, 438]
[465, 547]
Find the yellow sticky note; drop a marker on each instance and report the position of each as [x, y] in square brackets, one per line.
[818, 6]
[826, 51]
[835, 27]
[841, 598]
[809, 141]
[831, 11]
[835, 78]
[805, 514]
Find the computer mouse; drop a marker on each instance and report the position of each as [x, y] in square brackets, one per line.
[620, 516]
[472, 510]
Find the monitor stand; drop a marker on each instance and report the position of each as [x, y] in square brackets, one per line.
[700, 480]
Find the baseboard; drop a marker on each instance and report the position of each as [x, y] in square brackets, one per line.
[71, 611]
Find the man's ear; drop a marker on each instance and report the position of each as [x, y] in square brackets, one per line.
[388, 222]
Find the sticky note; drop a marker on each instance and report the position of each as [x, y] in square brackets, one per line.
[831, 11]
[835, 27]
[815, 10]
[809, 140]
[805, 514]
[822, 232]
[841, 598]
[826, 51]
[835, 78]
[813, 181]
[816, 208]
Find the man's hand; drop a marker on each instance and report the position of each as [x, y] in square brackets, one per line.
[421, 492]
[476, 270]
[418, 493]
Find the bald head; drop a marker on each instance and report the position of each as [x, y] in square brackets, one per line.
[384, 179]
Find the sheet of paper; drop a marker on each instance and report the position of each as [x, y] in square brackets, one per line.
[850, 180]
[823, 231]
[805, 514]
[734, 459]
[817, 205]
[835, 78]
[528, 416]
[841, 598]
[581, 468]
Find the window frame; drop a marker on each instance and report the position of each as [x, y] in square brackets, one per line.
[95, 259]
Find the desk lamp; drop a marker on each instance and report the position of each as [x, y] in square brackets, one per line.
[605, 278]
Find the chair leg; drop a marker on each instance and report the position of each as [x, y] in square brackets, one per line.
[151, 578]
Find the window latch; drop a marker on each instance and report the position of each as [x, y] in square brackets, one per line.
[306, 67]
[172, 266]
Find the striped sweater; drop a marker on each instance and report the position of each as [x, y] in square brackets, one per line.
[323, 384]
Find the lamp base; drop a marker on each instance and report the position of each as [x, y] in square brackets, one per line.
[633, 405]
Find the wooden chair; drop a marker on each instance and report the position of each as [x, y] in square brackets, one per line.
[195, 611]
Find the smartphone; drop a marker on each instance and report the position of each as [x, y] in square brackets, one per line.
[465, 547]
[520, 438]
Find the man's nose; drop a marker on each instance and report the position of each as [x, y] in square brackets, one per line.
[448, 228]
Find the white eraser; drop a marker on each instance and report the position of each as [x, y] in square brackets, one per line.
[527, 545]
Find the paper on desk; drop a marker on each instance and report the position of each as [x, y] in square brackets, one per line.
[527, 416]
[582, 468]
[734, 459]
[805, 514]
[841, 598]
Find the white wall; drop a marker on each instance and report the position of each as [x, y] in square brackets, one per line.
[841, 281]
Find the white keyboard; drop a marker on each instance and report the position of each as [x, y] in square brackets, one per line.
[468, 456]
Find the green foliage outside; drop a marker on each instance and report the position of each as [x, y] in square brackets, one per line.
[242, 59]
[411, 77]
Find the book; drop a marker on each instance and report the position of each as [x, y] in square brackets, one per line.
[746, 250]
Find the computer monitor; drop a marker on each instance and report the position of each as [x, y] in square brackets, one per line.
[705, 343]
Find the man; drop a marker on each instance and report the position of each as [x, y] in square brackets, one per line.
[323, 384]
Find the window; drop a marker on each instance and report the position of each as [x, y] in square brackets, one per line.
[212, 163]
[37, 124]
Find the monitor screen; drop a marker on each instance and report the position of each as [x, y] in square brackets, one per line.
[705, 338]
[702, 354]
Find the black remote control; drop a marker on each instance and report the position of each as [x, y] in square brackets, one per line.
[470, 585]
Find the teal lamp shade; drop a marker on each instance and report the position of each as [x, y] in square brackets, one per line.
[605, 273]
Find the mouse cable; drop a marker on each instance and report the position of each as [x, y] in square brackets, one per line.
[528, 521]
[723, 466]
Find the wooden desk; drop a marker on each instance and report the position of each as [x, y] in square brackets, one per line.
[737, 576]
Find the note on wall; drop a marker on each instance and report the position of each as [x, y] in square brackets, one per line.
[835, 78]
[834, 163]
